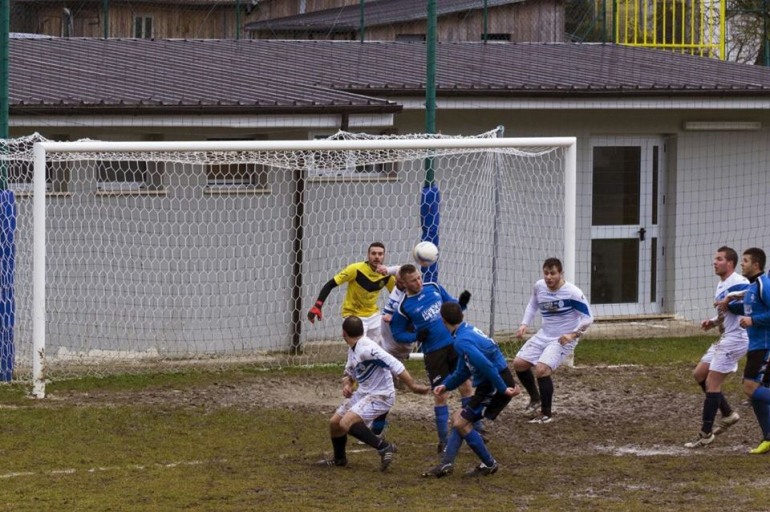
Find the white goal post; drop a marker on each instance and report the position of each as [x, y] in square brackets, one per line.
[341, 213]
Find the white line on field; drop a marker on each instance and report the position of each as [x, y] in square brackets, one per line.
[72, 471]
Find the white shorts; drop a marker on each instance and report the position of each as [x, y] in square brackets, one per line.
[372, 327]
[367, 407]
[542, 349]
[723, 356]
[398, 350]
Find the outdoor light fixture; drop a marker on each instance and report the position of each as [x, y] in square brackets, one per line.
[714, 126]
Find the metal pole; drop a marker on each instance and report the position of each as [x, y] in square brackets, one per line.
[361, 20]
[485, 17]
[604, 21]
[106, 18]
[237, 19]
[765, 35]
[498, 184]
[8, 212]
[430, 72]
[430, 198]
[5, 30]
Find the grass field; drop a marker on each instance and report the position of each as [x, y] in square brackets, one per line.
[245, 439]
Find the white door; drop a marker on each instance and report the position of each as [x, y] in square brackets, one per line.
[626, 225]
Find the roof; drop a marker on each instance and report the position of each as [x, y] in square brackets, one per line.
[268, 76]
[99, 3]
[376, 12]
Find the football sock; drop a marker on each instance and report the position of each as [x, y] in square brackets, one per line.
[724, 407]
[361, 432]
[442, 420]
[338, 443]
[476, 443]
[527, 380]
[546, 394]
[379, 424]
[762, 410]
[452, 447]
[710, 407]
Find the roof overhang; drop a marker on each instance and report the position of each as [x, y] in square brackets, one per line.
[320, 121]
[603, 103]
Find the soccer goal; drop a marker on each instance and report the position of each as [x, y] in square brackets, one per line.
[137, 254]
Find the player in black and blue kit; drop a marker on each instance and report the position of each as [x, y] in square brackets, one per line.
[418, 318]
[480, 359]
[755, 311]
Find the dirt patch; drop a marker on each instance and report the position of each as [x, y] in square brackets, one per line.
[617, 409]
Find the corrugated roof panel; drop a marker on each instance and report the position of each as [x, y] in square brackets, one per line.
[271, 73]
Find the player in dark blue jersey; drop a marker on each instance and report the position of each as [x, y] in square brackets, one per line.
[755, 318]
[418, 318]
[480, 359]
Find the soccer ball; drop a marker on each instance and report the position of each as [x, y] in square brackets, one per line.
[425, 254]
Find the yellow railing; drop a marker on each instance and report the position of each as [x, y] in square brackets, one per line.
[689, 26]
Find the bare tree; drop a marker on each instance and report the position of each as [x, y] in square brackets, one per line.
[747, 30]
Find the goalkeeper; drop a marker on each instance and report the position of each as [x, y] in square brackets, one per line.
[365, 279]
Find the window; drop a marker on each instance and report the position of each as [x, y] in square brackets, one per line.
[224, 177]
[129, 176]
[497, 37]
[410, 38]
[143, 27]
[327, 165]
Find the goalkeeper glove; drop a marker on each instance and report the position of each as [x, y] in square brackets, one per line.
[422, 335]
[315, 312]
[465, 298]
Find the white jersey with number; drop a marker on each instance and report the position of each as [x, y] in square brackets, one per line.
[564, 310]
[371, 366]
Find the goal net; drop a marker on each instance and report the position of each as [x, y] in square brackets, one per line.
[179, 253]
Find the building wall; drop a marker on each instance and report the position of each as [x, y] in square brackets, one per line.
[169, 21]
[541, 21]
[717, 190]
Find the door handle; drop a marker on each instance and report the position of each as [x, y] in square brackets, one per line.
[641, 232]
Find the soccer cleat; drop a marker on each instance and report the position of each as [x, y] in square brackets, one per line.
[541, 420]
[332, 463]
[483, 470]
[703, 440]
[441, 448]
[532, 409]
[726, 422]
[443, 469]
[763, 447]
[387, 455]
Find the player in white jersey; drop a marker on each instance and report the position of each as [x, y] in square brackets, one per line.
[566, 316]
[369, 366]
[722, 357]
[398, 350]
